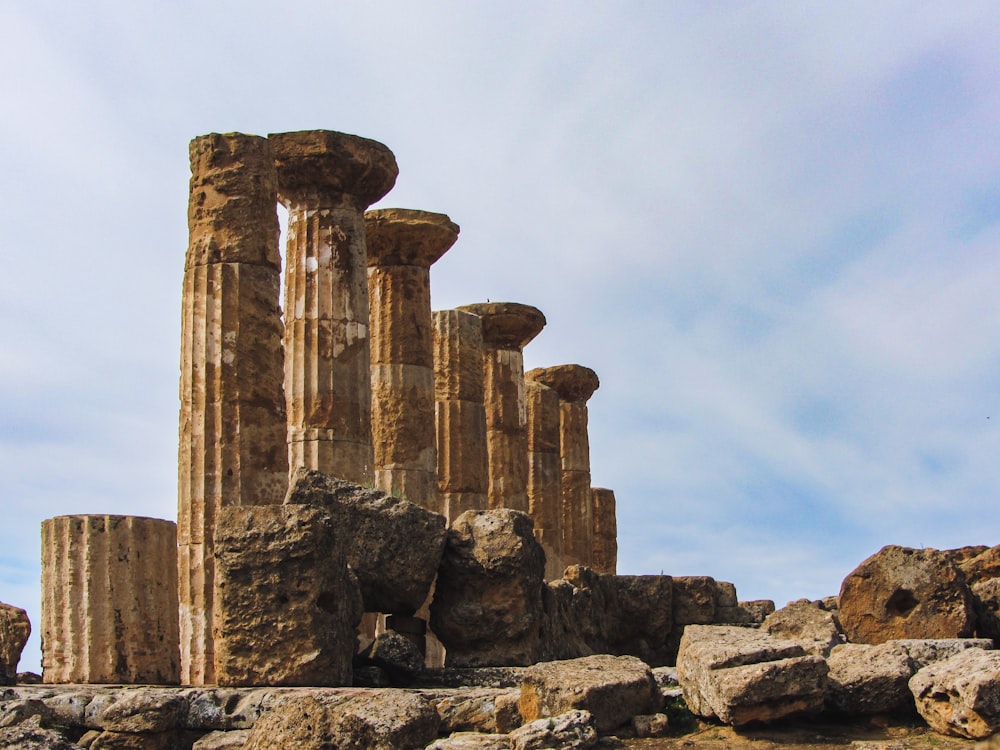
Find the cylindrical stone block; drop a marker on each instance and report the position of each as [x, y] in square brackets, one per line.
[232, 447]
[545, 473]
[326, 180]
[402, 246]
[460, 413]
[507, 328]
[605, 558]
[109, 600]
[575, 384]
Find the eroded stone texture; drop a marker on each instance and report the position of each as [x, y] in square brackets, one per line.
[392, 545]
[545, 473]
[487, 607]
[573, 730]
[960, 695]
[109, 600]
[802, 621]
[232, 414]
[605, 544]
[14, 631]
[906, 593]
[327, 180]
[286, 605]
[575, 384]
[402, 246]
[507, 328]
[460, 412]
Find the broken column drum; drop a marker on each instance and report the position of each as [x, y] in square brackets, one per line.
[545, 473]
[460, 413]
[605, 545]
[402, 246]
[232, 448]
[575, 384]
[507, 328]
[326, 180]
[109, 600]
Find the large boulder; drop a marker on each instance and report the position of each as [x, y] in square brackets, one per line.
[805, 622]
[573, 730]
[906, 593]
[361, 720]
[286, 605]
[612, 688]
[33, 735]
[867, 679]
[487, 607]
[14, 631]
[961, 695]
[981, 568]
[486, 710]
[392, 545]
[740, 675]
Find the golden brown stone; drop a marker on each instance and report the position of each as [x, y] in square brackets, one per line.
[507, 325]
[109, 600]
[605, 545]
[545, 472]
[458, 356]
[406, 237]
[571, 382]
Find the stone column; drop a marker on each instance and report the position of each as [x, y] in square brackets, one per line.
[460, 414]
[232, 448]
[575, 384]
[327, 180]
[605, 558]
[545, 472]
[109, 600]
[507, 328]
[402, 246]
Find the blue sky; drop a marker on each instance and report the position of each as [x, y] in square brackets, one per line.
[773, 229]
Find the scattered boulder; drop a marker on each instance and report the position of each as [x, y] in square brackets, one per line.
[924, 651]
[867, 679]
[472, 741]
[32, 735]
[396, 654]
[960, 695]
[362, 720]
[981, 568]
[612, 688]
[129, 741]
[906, 593]
[16, 712]
[478, 710]
[757, 610]
[487, 607]
[650, 725]
[141, 710]
[392, 545]
[573, 729]
[739, 675]
[281, 579]
[802, 621]
[14, 631]
[232, 740]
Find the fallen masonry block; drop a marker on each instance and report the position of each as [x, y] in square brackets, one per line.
[960, 695]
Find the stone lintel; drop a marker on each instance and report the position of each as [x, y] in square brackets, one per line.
[327, 168]
[407, 237]
[507, 325]
[571, 382]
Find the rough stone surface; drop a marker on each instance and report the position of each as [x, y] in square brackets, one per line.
[545, 473]
[866, 679]
[232, 423]
[14, 631]
[282, 580]
[31, 735]
[233, 740]
[605, 545]
[740, 675]
[573, 729]
[362, 720]
[396, 654]
[960, 695]
[392, 545]
[802, 621]
[612, 688]
[472, 741]
[487, 607]
[109, 600]
[757, 610]
[142, 710]
[906, 593]
[479, 709]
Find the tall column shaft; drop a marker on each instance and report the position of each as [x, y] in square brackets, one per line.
[402, 246]
[605, 526]
[326, 180]
[109, 600]
[232, 411]
[545, 473]
[460, 414]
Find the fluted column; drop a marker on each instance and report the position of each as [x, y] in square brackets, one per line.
[109, 600]
[327, 180]
[575, 384]
[402, 246]
[232, 448]
[545, 472]
[460, 413]
[605, 558]
[507, 328]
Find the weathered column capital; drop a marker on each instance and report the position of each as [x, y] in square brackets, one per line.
[324, 168]
[507, 325]
[406, 237]
[574, 383]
